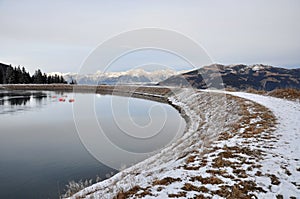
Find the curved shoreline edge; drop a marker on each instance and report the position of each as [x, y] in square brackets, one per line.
[185, 113]
[186, 101]
[254, 154]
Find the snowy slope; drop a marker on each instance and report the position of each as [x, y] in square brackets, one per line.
[232, 150]
[286, 162]
[201, 118]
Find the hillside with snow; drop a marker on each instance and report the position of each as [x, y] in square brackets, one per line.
[236, 146]
[238, 77]
[134, 76]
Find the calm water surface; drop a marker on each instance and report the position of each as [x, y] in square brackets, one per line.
[40, 149]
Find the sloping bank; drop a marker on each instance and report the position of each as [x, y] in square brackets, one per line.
[211, 158]
[237, 149]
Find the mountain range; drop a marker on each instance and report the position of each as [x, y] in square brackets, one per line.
[134, 76]
[239, 76]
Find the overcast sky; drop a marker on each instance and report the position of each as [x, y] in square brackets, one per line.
[59, 35]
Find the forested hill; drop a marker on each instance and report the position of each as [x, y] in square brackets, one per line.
[19, 75]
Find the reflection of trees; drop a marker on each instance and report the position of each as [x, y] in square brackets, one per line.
[15, 94]
[22, 101]
[18, 101]
[15, 101]
[59, 93]
[38, 96]
[20, 97]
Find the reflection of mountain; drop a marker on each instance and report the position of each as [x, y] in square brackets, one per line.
[260, 77]
[126, 77]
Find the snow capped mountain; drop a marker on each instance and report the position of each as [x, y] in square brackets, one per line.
[237, 76]
[124, 77]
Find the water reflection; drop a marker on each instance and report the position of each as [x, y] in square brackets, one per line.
[40, 150]
[16, 101]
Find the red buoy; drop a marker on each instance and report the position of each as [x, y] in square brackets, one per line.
[61, 99]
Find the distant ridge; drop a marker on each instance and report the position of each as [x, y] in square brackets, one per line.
[134, 76]
[239, 76]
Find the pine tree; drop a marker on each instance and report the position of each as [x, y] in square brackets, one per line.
[1, 76]
[10, 76]
[73, 82]
[18, 74]
[25, 77]
[37, 77]
[49, 79]
[45, 78]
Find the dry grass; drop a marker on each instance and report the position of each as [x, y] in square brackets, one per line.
[186, 167]
[226, 135]
[240, 190]
[217, 171]
[177, 195]
[190, 159]
[166, 181]
[230, 89]
[123, 195]
[201, 196]
[221, 162]
[252, 90]
[190, 187]
[133, 192]
[256, 124]
[274, 179]
[208, 180]
[217, 158]
[288, 93]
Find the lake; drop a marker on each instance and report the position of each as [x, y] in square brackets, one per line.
[45, 142]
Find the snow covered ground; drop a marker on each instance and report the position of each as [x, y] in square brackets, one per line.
[283, 159]
[232, 148]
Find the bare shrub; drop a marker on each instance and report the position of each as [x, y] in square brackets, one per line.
[73, 187]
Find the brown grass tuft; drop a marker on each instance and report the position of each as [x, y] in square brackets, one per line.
[208, 180]
[190, 187]
[274, 179]
[177, 195]
[166, 181]
[190, 159]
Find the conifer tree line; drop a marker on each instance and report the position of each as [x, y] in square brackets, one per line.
[18, 75]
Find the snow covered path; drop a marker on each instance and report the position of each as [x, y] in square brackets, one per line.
[286, 162]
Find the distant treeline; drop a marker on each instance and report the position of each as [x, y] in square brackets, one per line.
[18, 75]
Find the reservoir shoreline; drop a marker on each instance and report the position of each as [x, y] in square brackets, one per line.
[153, 93]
